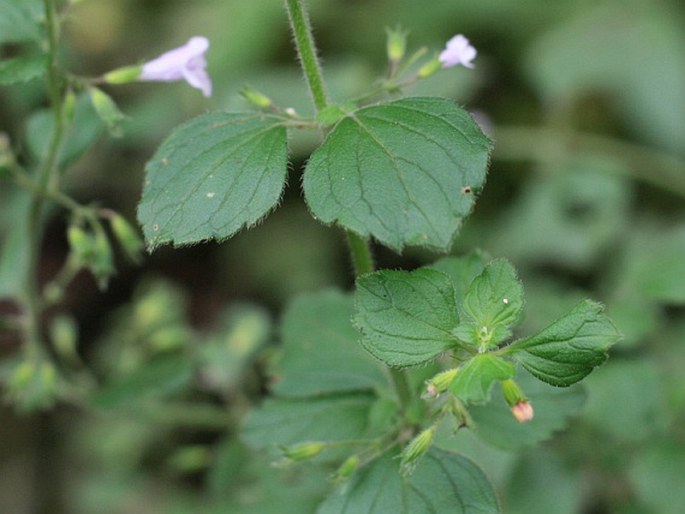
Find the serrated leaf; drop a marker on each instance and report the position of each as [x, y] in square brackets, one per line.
[495, 297]
[569, 349]
[398, 171]
[442, 482]
[22, 69]
[283, 422]
[462, 271]
[406, 318]
[474, 380]
[213, 175]
[321, 350]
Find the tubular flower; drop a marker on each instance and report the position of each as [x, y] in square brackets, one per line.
[458, 51]
[186, 62]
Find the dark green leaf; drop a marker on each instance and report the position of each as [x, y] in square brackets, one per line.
[22, 69]
[406, 318]
[321, 350]
[398, 171]
[284, 422]
[462, 271]
[474, 380]
[569, 349]
[442, 482]
[214, 175]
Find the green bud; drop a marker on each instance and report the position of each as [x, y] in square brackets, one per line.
[81, 244]
[303, 451]
[416, 449]
[396, 44]
[346, 469]
[33, 384]
[430, 68]
[256, 98]
[102, 264]
[64, 335]
[124, 75]
[69, 105]
[128, 238]
[107, 110]
[440, 382]
[6, 154]
[512, 392]
[191, 458]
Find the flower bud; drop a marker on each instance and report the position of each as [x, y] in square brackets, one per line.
[430, 68]
[440, 382]
[520, 406]
[396, 44]
[303, 451]
[523, 412]
[107, 110]
[69, 105]
[64, 336]
[416, 449]
[127, 237]
[256, 98]
[102, 264]
[346, 469]
[123, 75]
[81, 243]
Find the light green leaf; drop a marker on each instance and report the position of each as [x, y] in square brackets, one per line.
[22, 69]
[553, 407]
[495, 297]
[474, 380]
[406, 318]
[442, 482]
[569, 349]
[321, 350]
[213, 175]
[284, 422]
[397, 171]
[20, 20]
[462, 271]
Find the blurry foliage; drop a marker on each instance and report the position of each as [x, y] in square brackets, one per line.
[576, 220]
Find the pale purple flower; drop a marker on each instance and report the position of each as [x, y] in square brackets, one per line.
[183, 63]
[458, 51]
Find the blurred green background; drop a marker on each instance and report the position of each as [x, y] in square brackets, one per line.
[586, 103]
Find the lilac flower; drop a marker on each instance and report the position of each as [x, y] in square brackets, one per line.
[458, 51]
[183, 63]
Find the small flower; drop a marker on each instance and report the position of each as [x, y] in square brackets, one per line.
[458, 51]
[183, 63]
[522, 411]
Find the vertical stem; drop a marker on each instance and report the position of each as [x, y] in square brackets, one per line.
[306, 50]
[360, 253]
[46, 171]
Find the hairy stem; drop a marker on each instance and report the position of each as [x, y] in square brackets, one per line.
[306, 50]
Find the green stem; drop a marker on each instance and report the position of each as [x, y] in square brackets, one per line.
[306, 50]
[362, 259]
[46, 174]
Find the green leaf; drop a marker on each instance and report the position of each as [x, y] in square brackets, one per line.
[213, 175]
[496, 425]
[20, 20]
[155, 379]
[22, 69]
[406, 318]
[495, 297]
[14, 232]
[283, 422]
[474, 380]
[397, 171]
[569, 349]
[657, 476]
[321, 350]
[442, 482]
[462, 271]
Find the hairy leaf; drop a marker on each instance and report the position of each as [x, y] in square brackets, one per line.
[213, 175]
[406, 318]
[403, 172]
[474, 380]
[569, 349]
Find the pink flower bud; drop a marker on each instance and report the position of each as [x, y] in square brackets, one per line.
[458, 51]
[183, 63]
[522, 411]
